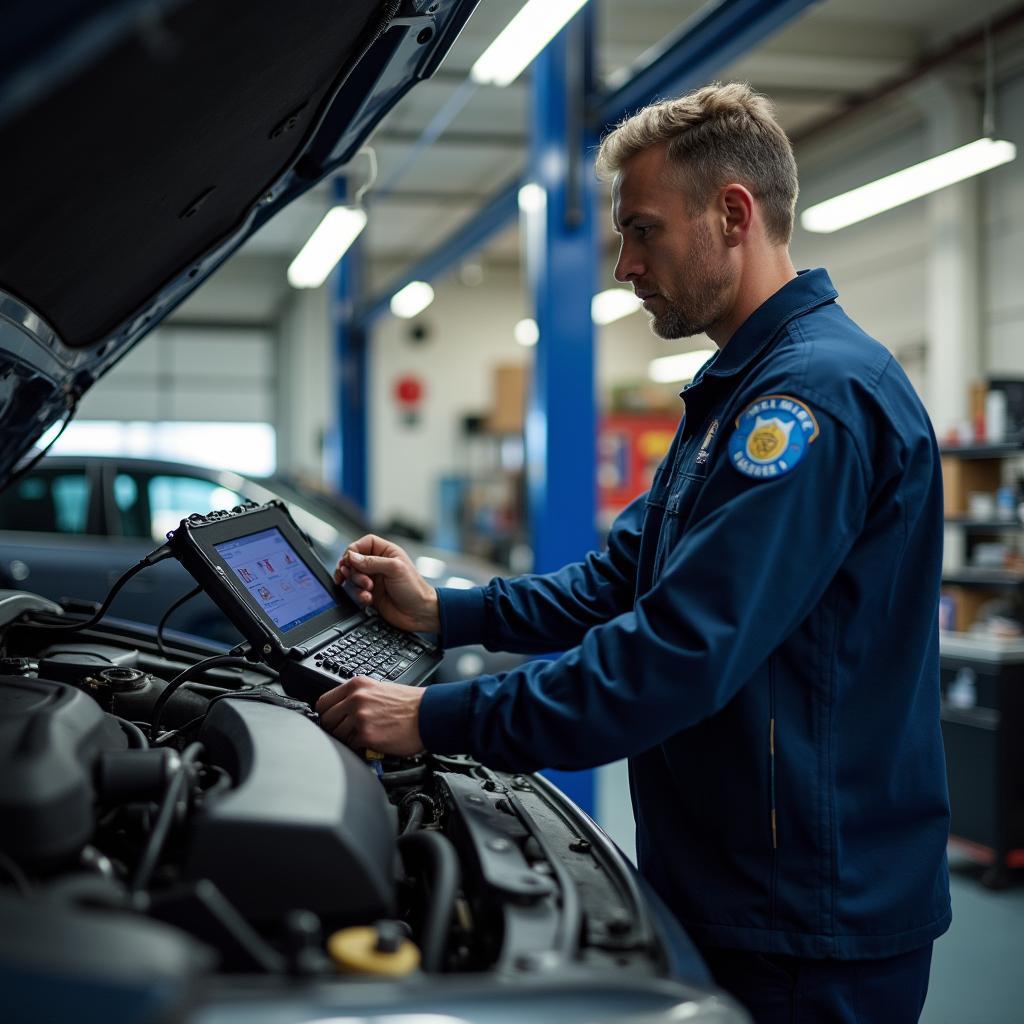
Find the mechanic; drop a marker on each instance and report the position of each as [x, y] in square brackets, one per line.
[760, 636]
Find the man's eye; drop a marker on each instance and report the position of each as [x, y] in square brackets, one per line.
[643, 230]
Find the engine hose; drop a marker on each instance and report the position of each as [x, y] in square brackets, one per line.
[440, 857]
[136, 737]
[405, 776]
[176, 789]
[415, 819]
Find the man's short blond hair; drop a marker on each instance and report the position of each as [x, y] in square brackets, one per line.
[716, 135]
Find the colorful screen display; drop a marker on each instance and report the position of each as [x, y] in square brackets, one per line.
[279, 581]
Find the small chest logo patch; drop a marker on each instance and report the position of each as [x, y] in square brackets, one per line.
[771, 436]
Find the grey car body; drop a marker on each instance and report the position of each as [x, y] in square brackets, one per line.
[178, 838]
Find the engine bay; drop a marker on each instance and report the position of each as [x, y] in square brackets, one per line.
[240, 840]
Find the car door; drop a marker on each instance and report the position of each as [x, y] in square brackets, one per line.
[51, 532]
[143, 504]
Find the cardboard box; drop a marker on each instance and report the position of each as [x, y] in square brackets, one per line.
[961, 476]
[967, 601]
[509, 400]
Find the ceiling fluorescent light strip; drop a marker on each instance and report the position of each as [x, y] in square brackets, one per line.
[411, 300]
[516, 46]
[911, 183]
[328, 243]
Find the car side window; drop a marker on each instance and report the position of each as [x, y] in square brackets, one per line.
[47, 501]
[150, 506]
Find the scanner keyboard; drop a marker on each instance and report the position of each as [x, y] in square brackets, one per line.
[372, 649]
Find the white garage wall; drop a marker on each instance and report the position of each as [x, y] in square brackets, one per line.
[879, 267]
[470, 332]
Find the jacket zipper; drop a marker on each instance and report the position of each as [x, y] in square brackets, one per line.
[771, 785]
[771, 754]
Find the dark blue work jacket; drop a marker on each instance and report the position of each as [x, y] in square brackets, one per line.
[760, 638]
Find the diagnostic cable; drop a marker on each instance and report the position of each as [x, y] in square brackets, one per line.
[156, 555]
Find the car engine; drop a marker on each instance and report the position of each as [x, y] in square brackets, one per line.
[241, 841]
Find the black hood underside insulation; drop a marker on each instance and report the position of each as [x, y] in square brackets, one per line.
[119, 180]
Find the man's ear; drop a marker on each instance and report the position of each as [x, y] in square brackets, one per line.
[736, 206]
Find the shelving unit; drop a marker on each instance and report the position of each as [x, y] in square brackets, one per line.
[985, 525]
[1003, 450]
[982, 678]
[974, 577]
[968, 468]
[982, 683]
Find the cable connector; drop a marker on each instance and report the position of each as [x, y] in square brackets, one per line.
[247, 651]
[158, 555]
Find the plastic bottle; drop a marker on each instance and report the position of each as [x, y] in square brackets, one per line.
[963, 691]
[995, 416]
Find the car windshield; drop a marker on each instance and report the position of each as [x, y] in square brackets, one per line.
[344, 516]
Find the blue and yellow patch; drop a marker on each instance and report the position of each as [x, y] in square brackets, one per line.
[771, 436]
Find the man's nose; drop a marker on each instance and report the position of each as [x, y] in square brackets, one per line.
[627, 267]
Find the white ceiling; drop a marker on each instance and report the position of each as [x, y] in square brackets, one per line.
[837, 50]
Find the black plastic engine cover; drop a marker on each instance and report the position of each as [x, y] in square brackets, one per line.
[50, 737]
[307, 825]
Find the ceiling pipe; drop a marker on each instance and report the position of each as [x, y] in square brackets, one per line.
[959, 46]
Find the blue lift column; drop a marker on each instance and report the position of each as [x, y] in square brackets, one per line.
[557, 204]
[349, 443]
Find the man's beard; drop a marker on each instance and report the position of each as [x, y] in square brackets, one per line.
[705, 302]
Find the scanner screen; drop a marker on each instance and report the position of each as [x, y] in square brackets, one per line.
[277, 580]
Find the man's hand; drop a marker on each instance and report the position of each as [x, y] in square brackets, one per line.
[383, 575]
[368, 715]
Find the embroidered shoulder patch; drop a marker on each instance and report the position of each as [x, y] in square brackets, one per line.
[771, 436]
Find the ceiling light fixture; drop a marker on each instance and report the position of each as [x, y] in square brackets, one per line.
[328, 243]
[911, 183]
[680, 367]
[926, 177]
[411, 300]
[531, 198]
[613, 304]
[334, 235]
[526, 332]
[516, 46]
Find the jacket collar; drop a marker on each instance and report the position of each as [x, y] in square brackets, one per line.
[808, 290]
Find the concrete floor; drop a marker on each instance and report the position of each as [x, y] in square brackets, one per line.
[978, 965]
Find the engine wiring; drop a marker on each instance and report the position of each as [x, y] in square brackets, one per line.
[233, 659]
[261, 694]
[156, 555]
[184, 599]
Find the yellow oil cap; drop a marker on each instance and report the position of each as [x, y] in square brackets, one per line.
[381, 949]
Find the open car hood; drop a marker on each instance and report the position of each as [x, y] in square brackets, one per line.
[143, 142]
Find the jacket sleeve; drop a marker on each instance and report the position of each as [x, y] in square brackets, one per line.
[756, 557]
[541, 613]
